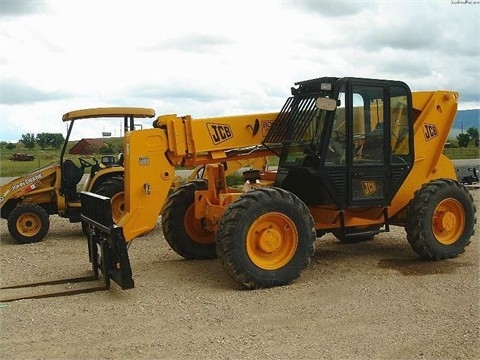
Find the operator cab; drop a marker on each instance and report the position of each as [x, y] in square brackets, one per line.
[346, 142]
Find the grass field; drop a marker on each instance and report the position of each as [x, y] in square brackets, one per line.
[16, 168]
[462, 153]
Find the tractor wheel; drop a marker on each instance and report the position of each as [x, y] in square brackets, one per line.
[266, 238]
[440, 220]
[28, 223]
[343, 237]
[185, 234]
[114, 189]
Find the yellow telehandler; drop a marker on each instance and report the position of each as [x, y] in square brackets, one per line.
[355, 157]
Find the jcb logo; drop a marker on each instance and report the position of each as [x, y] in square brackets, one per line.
[369, 187]
[266, 125]
[219, 132]
[430, 131]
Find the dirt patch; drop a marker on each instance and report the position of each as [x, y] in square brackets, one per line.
[360, 301]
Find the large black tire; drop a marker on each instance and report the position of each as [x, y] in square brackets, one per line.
[185, 234]
[114, 189]
[440, 220]
[28, 223]
[345, 236]
[266, 238]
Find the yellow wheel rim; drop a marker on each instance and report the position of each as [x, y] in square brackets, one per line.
[272, 241]
[448, 221]
[29, 224]
[194, 228]
[118, 206]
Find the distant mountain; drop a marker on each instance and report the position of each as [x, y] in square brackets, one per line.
[465, 119]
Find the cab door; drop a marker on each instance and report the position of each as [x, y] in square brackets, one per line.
[379, 128]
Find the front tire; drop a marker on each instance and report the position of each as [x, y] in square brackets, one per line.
[28, 223]
[265, 238]
[440, 220]
[185, 234]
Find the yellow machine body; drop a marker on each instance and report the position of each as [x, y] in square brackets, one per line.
[355, 156]
[154, 153]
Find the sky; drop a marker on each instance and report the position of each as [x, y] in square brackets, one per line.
[216, 58]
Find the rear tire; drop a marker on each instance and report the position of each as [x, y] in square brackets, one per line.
[440, 220]
[183, 232]
[28, 223]
[113, 188]
[266, 238]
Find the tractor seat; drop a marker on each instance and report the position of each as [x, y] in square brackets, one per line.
[72, 174]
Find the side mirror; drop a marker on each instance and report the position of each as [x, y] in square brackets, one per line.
[326, 104]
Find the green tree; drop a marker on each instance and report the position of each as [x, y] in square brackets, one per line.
[10, 146]
[463, 140]
[28, 140]
[2, 144]
[120, 147]
[473, 135]
[54, 140]
[57, 140]
[42, 140]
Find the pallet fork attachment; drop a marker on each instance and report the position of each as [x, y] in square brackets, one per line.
[112, 260]
[103, 233]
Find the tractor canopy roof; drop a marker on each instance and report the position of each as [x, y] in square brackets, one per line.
[136, 112]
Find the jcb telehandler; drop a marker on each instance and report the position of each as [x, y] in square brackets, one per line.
[27, 202]
[356, 156]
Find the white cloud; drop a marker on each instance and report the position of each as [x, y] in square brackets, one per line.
[209, 58]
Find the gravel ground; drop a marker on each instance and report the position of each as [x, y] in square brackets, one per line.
[372, 300]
